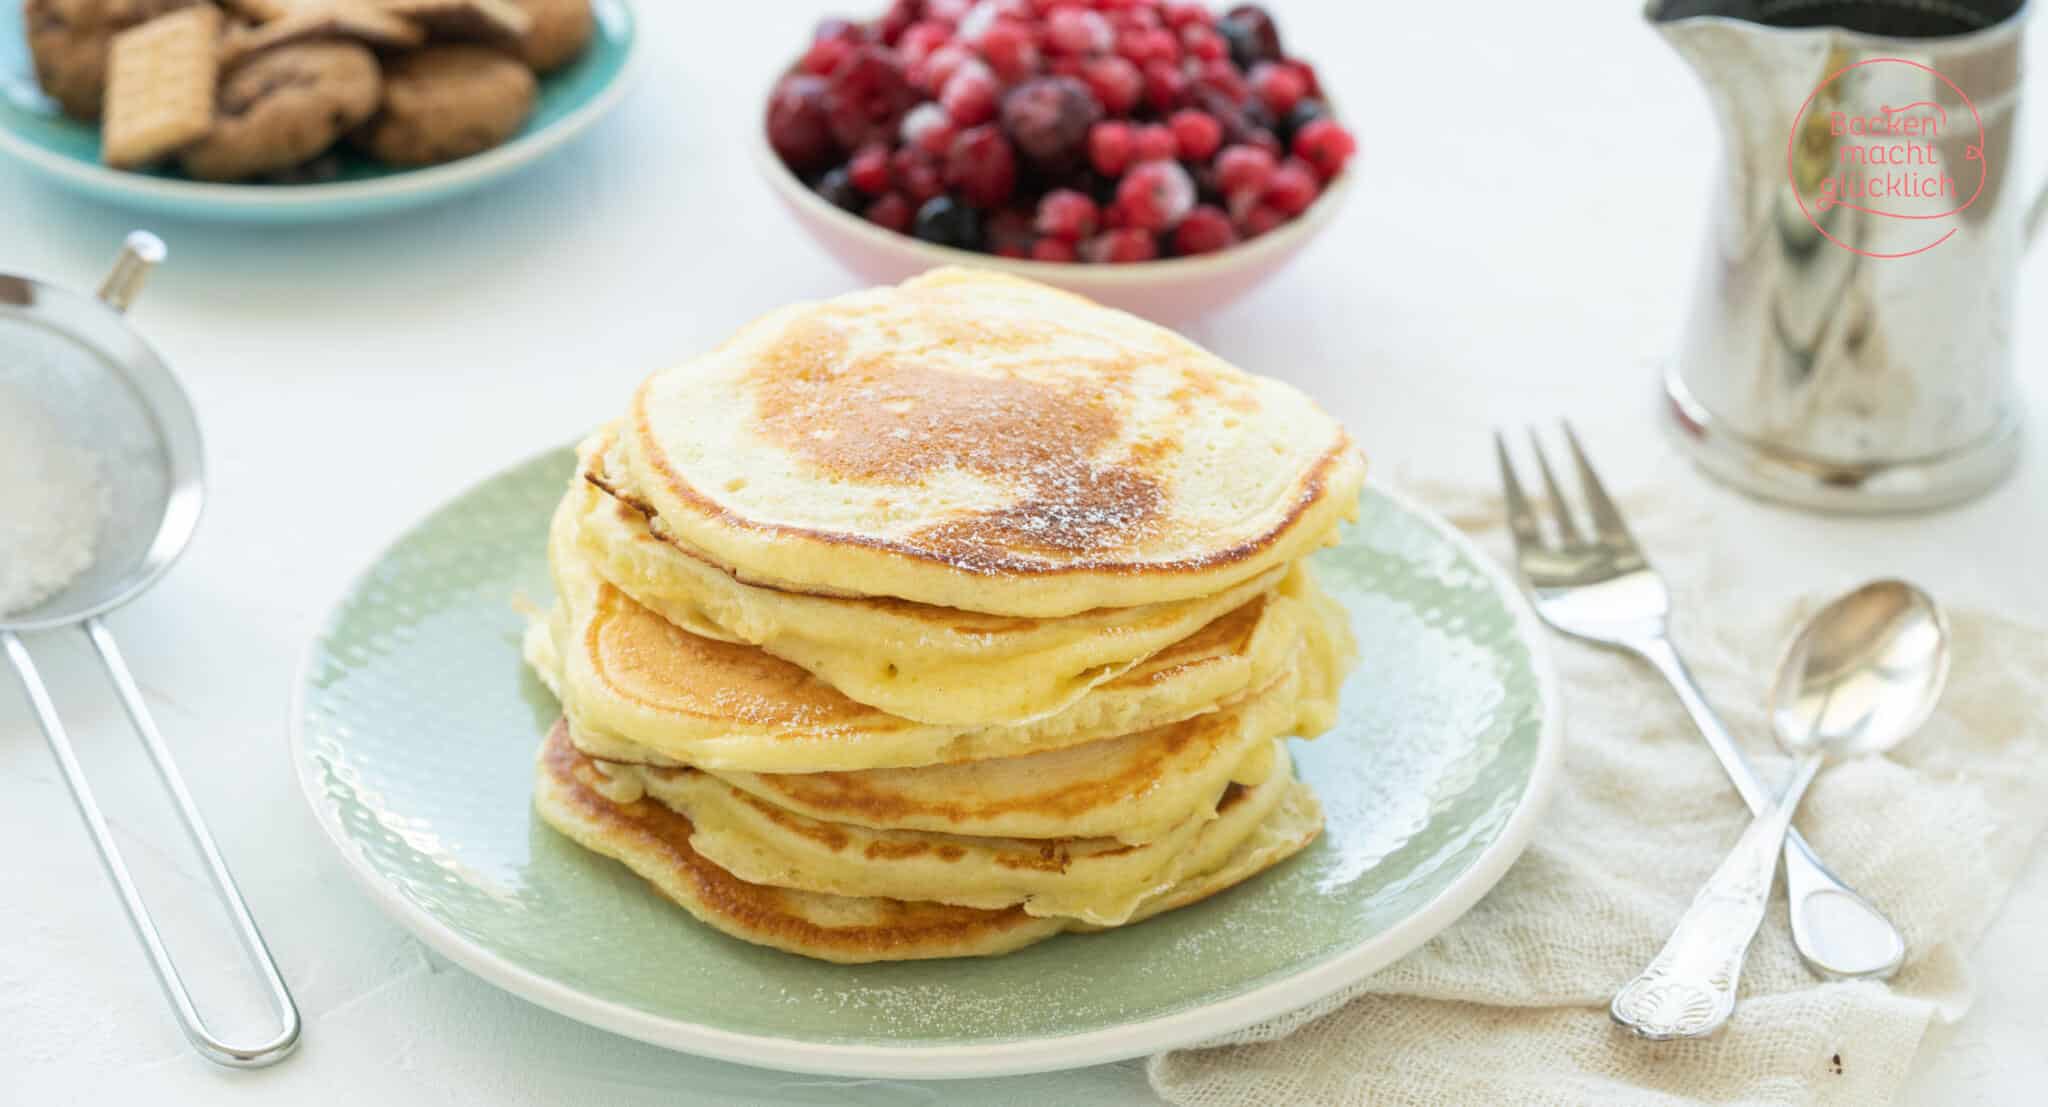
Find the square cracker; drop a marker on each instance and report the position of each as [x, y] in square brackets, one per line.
[464, 18]
[160, 85]
[350, 19]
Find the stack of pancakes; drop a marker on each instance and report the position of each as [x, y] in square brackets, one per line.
[935, 620]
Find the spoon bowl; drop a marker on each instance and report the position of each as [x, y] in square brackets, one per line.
[1863, 673]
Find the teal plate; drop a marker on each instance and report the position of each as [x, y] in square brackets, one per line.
[68, 152]
[417, 724]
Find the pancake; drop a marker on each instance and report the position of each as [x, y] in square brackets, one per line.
[1096, 880]
[977, 441]
[1134, 787]
[639, 688]
[930, 664]
[655, 842]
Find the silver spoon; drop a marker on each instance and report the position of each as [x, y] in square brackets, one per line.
[107, 390]
[1863, 674]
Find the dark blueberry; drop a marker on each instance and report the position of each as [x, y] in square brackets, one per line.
[948, 222]
[1252, 35]
[1306, 112]
[836, 186]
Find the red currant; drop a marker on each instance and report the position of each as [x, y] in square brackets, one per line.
[1066, 214]
[1326, 145]
[1205, 231]
[1156, 195]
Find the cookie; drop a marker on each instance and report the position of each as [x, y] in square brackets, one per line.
[160, 82]
[68, 40]
[560, 31]
[488, 20]
[361, 22]
[284, 107]
[447, 102]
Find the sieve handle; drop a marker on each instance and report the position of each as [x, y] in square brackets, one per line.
[202, 1039]
[140, 253]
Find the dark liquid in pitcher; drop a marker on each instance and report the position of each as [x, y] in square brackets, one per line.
[1890, 18]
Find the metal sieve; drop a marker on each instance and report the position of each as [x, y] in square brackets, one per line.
[109, 394]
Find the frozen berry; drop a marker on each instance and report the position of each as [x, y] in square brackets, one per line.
[1155, 195]
[1078, 31]
[1205, 231]
[1308, 76]
[1278, 86]
[1203, 43]
[866, 96]
[825, 55]
[1258, 219]
[836, 187]
[981, 167]
[1109, 147]
[1008, 233]
[1126, 245]
[1306, 111]
[1182, 14]
[916, 173]
[1066, 213]
[1126, 15]
[1244, 169]
[971, 94]
[1116, 83]
[896, 20]
[1053, 249]
[1223, 79]
[936, 68]
[1154, 142]
[1048, 118]
[928, 128]
[1292, 188]
[1009, 50]
[797, 128]
[1195, 134]
[1252, 35]
[921, 39]
[1144, 45]
[1166, 88]
[869, 169]
[948, 222]
[893, 211]
[1326, 145]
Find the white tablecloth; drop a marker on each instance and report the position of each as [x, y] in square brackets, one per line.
[1519, 250]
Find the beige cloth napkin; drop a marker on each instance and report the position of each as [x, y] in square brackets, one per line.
[1509, 1006]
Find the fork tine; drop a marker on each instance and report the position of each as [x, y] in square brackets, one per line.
[1607, 518]
[1567, 527]
[1521, 520]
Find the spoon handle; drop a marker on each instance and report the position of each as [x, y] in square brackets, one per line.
[1839, 934]
[1689, 989]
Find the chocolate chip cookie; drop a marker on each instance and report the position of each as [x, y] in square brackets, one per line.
[69, 38]
[285, 105]
[447, 102]
[560, 31]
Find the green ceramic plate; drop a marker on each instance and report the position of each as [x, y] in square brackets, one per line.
[68, 152]
[417, 725]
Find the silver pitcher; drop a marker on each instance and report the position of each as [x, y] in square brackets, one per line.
[1850, 342]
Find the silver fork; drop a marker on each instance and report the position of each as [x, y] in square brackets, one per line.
[1600, 587]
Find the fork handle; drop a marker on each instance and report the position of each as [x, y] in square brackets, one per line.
[1839, 934]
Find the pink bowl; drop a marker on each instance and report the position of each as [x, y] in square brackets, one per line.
[1169, 291]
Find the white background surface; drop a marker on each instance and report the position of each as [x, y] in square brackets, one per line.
[1519, 249]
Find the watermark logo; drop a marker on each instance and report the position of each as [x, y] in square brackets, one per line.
[1920, 162]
